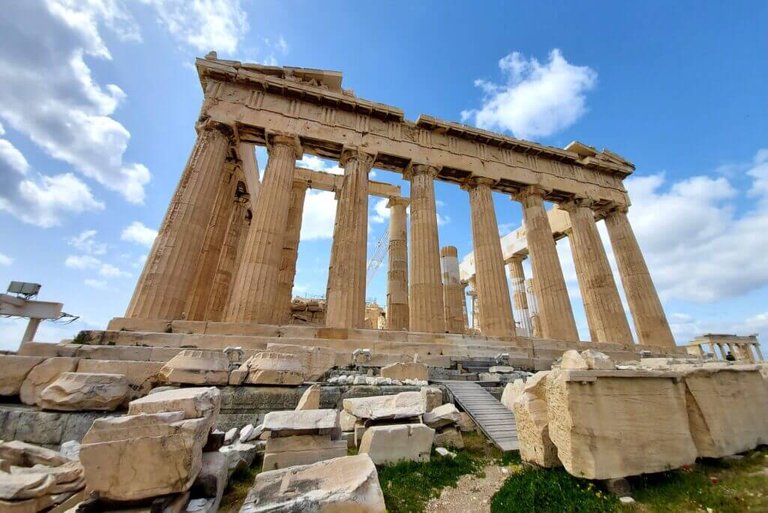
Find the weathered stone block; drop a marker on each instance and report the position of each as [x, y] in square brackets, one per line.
[288, 451]
[449, 437]
[269, 368]
[432, 397]
[315, 360]
[13, 371]
[348, 484]
[75, 391]
[401, 406]
[302, 422]
[612, 424]
[43, 375]
[194, 402]
[531, 418]
[195, 367]
[402, 442]
[141, 375]
[310, 399]
[403, 371]
[442, 416]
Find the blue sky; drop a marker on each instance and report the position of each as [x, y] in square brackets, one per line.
[98, 99]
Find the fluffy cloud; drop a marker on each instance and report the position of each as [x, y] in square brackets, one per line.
[204, 24]
[89, 262]
[5, 260]
[711, 244]
[139, 233]
[87, 243]
[95, 284]
[318, 216]
[536, 99]
[319, 164]
[48, 94]
[381, 212]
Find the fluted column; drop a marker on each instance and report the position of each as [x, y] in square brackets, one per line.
[426, 292]
[651, 323]
[464, 312]
[519, 295]
[291, 249]
[345, 298]
[602, 304]
[226, 266]
[167, 278]
[554, 307]
[491, 280]
[255, 288]
[397, 273]
[533, 308]
[212, 244]
[473, 303]
[453, 290]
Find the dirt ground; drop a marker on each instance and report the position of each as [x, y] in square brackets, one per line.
[472, 493]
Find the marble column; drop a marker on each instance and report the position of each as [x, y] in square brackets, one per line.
[226, 266]
[464, 312]
[474, 304]
[453, 290]
[426, 292]
[554, 307]
[291, 250]
[491, 280]
[651, 323]
[759, 352]
[533, 308]
[166, 281]
[212, 244]
[602, 304]
[345, 298]
[254, 292]
[397, 262]
[519, 295]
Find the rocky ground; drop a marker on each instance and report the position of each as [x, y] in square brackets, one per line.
[471, 493]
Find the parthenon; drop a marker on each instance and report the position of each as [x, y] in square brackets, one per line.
[226, 251]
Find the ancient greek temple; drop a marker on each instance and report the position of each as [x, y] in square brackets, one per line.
[225, 255]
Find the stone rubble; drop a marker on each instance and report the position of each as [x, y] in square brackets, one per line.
[400, 406]
[269, 368]
[79, 391]
[195, 367]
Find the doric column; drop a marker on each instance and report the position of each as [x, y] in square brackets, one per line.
[168, 275]
[491, 280]
[464, 312]
[651, 323]
[291, 250]
[554, 307]
[212, 244]
[533, 308]
[602, 304]
[254, 290]
[453, 290]
[397, 272]
[473, 303]
[519, 295]
[345, 298]
[426, 292]
[759, 352]
[237, 229]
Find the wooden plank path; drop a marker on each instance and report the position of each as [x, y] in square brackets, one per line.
[493, 419]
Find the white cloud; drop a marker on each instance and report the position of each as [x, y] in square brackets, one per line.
[37, 199]
[139, 233]
[95, 284]
[87, 243]
[537, 100]
[205, 24]
[318, 216]
[381, 212]
[82, 262]
[48, 94]
[319, 164]
[699, 245]
[5, 260]
[111, 271]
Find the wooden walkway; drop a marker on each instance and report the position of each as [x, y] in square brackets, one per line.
[493, 419]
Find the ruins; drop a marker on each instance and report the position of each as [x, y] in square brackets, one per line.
[216, 368]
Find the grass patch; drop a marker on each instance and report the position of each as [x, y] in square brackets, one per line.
[237, 489]
[408, 486]
[551, 491]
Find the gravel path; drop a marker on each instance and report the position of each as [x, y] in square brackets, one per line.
[472, 493]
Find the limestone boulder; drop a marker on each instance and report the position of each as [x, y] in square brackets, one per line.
[141, 456]
[302, 422]
[400, 442]
[597, 361]
[270, 368]
[13, 372]
[315, 361]
[310, 399]
[400, 406]
[347, 421]
[22, 454]
[141, 376]
[348, 484]
[432, 397]
[466, 424]
[43, 375]
[614, 424]
[76, 391]
[195, 402]
[573, 360]
[511, 392]
[239, 456]
[449, 437]
[531, 418]
[442, 416]
[727, 410]
[25, 486]
[194, 367]
[288, 451]
[402, 371]
[212, 479]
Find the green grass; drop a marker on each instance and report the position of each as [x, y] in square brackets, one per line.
[408, 486]
[237, 489]
[550, 491]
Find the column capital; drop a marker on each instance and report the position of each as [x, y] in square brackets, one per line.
[275, 139]
[531, 193]
[571, 205]
[398, 201]
[299, 183]
[205, 123]
[348, 153]
[477, 181]
[516, 258]
[613, 208]
[415, 169]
